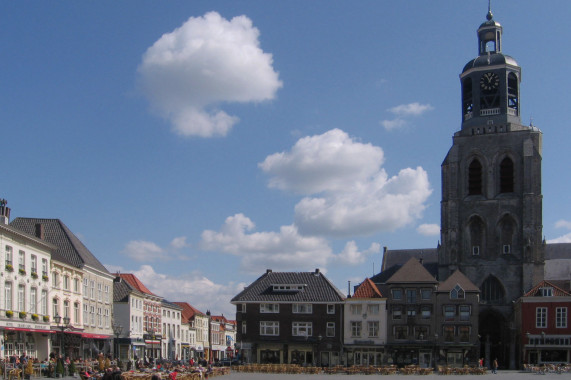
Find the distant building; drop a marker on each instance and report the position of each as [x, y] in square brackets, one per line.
[290, 317]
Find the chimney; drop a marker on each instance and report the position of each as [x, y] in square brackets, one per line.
[316, 273]
[40, 231]
[268, 271]
[4, 212]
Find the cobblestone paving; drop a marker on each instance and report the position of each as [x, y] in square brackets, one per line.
[501, 375]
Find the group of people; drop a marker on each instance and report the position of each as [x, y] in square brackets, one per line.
[494, 364]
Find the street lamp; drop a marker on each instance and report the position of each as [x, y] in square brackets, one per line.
[117, 330]
[63, 326]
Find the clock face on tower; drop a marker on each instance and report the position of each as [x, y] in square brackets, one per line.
[489, 82]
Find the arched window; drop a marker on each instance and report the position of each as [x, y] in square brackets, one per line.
[477, 234]
[467, 102]
[506, 176]
[513, 98]
[506, 233]
[457, 292]
[492, 290]
[475, 178]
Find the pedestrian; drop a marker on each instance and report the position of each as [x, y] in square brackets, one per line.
[481, 362]
[495, 366]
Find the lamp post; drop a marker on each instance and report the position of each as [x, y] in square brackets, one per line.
[117, 330]
[63, 326]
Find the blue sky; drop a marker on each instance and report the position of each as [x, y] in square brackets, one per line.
[197, 143]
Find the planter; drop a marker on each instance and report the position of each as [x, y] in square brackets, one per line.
[35, 317]
[34, 275]
[9, 268]
[22, 271]
[22, 314]
[46, 318]
[9, 313]
[45, 278]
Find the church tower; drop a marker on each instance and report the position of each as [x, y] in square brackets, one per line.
[491, 209]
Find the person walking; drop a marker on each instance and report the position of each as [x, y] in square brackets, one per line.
[495, 366]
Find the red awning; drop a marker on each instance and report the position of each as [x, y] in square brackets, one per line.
[95, 336]
[29, 330]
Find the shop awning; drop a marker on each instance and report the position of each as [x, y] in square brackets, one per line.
[95, 336]
[29, 330]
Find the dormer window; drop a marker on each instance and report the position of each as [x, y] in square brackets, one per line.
[457, 292]
[288, 287]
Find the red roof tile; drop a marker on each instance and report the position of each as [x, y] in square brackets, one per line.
[367, 289]
[136, 283]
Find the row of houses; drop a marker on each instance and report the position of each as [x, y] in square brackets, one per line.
[401, 316]
[57, 297]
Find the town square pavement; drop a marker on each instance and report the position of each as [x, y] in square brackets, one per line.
[501, 375]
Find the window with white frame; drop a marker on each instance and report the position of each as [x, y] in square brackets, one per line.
[76, 285]
[302, 329]
[66, 282]
[8, 252]
[21, 297]
[34, 264]
[269, 308]
[55, 280]
[356, 309]
[356, 329]
[22, 260]
[92, 289]
[76, 312]
[92, 315]
[373, 328]
[55, 307]
[44, 302]
[8, 296]
[546, 292]
[99, 317]
[271, 328]
[66, 309]
[86, 314]
[106, 318]
[243, 327]
[85, 287]
[330, 309]
[330, 329]
[44, 267]
[541, 317]
[561, 317]
[99, 291]
[33, 300]
[302, 308]
[373, 309]
[106, 289]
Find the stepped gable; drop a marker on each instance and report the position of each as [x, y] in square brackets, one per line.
[70, 249]
[557, 291]
[412, 271]
[315, 288]
[136, 283]
[457, 278]
[367, 289]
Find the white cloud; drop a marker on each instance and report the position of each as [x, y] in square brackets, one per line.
[428, 229]
[140, 250]
[402, 112]
[561, 239]
[187, 73]
[332, 161]
[194, 288]
[563, 224]
[393, 124]
[283, 250]
[356, 196]
[351, 255]
[179, 242]
[412, 109]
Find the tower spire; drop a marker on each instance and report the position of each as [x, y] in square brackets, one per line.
[490, 15]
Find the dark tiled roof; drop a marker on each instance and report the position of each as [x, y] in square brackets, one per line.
[457, 278]
[393, 257]
[22, 234]
[70, 249]
[122, 290]
[412, 272]
[367, 289]
[557, 251]
[171, 305]
[317, 288]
